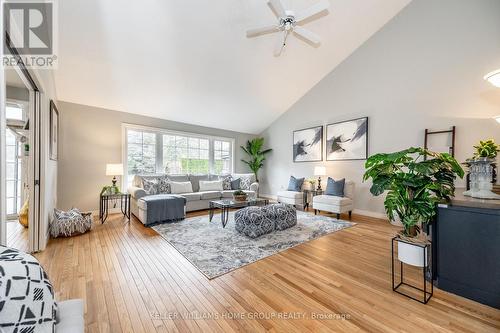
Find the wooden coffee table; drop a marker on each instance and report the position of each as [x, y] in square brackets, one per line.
[225, 205]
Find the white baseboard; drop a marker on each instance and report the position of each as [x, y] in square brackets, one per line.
[370, 214]
[110, 211]
[355, 211]
[268, 196]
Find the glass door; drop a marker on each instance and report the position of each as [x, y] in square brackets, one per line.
[14, 162]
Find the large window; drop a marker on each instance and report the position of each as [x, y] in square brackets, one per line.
[161, 151]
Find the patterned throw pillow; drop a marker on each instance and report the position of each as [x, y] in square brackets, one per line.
[226, 182]
[26, 295]
[164, 186]
[245, 183]
[150, 186]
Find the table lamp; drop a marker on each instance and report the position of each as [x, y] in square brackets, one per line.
[319, 171]
[114, 170]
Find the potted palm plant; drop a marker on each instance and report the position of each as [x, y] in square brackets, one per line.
[415, 179]
[257, 156]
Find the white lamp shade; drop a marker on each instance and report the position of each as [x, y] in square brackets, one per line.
[493, 78]
[319, 171]
[114, 169]
[497, 118]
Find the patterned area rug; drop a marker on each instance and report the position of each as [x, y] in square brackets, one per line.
[216, 251]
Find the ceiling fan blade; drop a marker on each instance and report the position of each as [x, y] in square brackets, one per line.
[280, 45]
[313, 10]
[262, 30]
[310, 36]
[278, 7]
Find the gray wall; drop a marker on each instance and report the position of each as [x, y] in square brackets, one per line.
[424, 69]
[90, 137]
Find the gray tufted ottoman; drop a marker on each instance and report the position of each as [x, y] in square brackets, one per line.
[252, 222]
[284, 216]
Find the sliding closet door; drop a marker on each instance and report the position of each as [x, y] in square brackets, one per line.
[34, 170]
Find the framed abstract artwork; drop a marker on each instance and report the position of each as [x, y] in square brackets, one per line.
[54, 132]
[347, 140]
[308, 144]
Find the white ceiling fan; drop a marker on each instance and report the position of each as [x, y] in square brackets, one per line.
[288, 22]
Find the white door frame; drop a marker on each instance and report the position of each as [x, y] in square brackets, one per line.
[3, 198]
[35, 163]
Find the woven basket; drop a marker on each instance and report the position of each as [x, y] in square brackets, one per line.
[241, 197]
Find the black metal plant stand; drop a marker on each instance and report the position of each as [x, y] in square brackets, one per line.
[426, 271]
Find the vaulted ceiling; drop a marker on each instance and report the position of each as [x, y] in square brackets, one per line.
[190, 61]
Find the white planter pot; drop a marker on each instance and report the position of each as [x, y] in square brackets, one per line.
[411, 254]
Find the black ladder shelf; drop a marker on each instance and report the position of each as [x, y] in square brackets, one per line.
[451, 131]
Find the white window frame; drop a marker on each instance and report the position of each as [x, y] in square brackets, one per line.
[24, 105]
[159, 147]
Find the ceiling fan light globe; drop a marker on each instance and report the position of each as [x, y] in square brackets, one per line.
[493, 78]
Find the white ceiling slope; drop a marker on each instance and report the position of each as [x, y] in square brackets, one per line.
[190, 61]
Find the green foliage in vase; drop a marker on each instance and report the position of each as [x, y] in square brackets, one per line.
[106, 190]
[239, 192]
[487, 149]
[257, 156]
[414, 185]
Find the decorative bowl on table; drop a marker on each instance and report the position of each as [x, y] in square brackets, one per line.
[239, 196]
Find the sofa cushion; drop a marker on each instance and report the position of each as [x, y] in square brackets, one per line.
[27, 297]
[335, 188]
[291, 194]
[210, 185]
[192, 196]
[181, 187]
[150, 186]
[295, 184]
[246, 179]
[229, 194]
[163, 185]
[70, 316]
[251, 176]
[332, 200]
[137, 180]
[195, 181]
[209, 195]
[236, 184]
[178, 178]
[226, 181]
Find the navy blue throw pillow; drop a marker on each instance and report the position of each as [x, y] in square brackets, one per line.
[335, 188]
[295, 184]
[235, 184]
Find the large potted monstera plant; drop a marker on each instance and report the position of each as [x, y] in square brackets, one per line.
[415, 180]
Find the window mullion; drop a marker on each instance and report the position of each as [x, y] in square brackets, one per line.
[159, 153]
[211, 156]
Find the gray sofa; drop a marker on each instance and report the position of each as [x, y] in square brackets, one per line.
[195, 200]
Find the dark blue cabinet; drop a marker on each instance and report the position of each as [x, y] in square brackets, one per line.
[466, 242]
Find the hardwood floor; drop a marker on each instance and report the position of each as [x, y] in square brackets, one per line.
[17, 236]
[134, 281]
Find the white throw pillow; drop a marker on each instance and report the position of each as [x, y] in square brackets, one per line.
[181, 187]
[215, 185]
